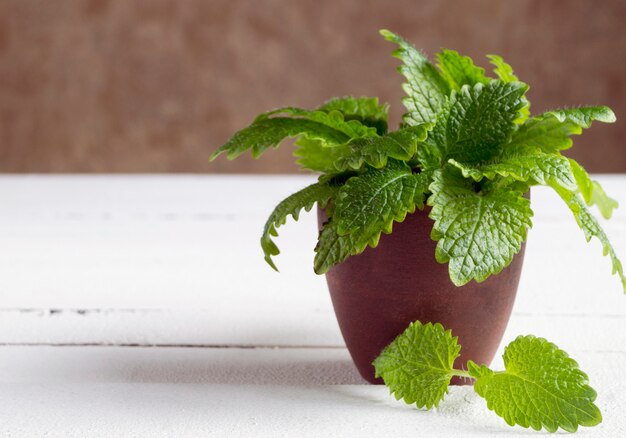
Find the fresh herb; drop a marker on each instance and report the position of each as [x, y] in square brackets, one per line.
[541, 385]
[467, 147]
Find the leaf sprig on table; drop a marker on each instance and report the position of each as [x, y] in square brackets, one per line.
[467, 147]
[540, 387]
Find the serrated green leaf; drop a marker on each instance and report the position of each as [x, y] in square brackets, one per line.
[426, 89]
[428, 156]
[366, 110]
[592, 192]
[584, 116]
[269, 130]
[417, 365]
[478, 233]
[374, 151]
[332, 118]
[545, 132]
[599, 198]
[293, 205]
[460, 70]
[505, 72]
[479, 121]
[312, 154]
[366, 212]
[474, 370]
[333, 248]
[551, 131]
[591, 228]
[525, 164]
[371, 202]
[541, 387]
[266, 133]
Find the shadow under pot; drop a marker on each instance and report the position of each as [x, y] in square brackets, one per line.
[378, 293]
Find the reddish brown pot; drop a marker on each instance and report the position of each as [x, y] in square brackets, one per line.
[377, 294]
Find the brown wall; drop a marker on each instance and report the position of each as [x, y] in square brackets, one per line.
[155, 86]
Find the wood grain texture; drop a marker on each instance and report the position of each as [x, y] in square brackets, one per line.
[142, 306]
[155, 86]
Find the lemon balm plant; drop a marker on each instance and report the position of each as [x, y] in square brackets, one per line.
[451, 184]
[467, 147]
[416, 222]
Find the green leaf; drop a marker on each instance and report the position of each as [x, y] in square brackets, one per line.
[365, 207]
[265, 133]
[292, 205]
[428, 156]
[426, 89]
[460, 70]
[374, 151]
[366, 110]
[478, 233]
[371, 202]
[312, 154]
[505, 72]
[551, 131]
[592, 191]
[541, 387]
[526, 164]
[583, 116]
[545, 132]
[333, 248]
[417, 365]
[269, 130]
[591, 228]
[479, 121]
[332, 118]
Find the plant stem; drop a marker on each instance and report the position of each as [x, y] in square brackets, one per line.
[461, 373]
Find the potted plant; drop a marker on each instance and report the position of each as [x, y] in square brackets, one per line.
[450, 185]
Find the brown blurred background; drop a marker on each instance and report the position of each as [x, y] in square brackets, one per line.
[156, 85]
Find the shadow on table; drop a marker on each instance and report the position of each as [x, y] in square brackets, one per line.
[294, 367]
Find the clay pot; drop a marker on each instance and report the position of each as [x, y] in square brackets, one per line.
[377, 294]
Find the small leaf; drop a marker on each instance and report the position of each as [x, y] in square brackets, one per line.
[583, 116]
[292, 205]
[265, 133]
[505, 72]
[332, 118]
[333, 248]
[426, 89]
[541, 387]
[526, 164]
[374, 151]
[592, 191]
[313, 154]
[478, 233]
[366, 110]
[545, 132]
[460, 70]
[269, 130]
[417, 365]
[369, 203]
[551, 131]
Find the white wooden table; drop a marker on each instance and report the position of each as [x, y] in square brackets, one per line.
[141, 306]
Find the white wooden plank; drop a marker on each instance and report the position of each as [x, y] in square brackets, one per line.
[185, 250]
[162, 242]
[107, 391]
[181, 327]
